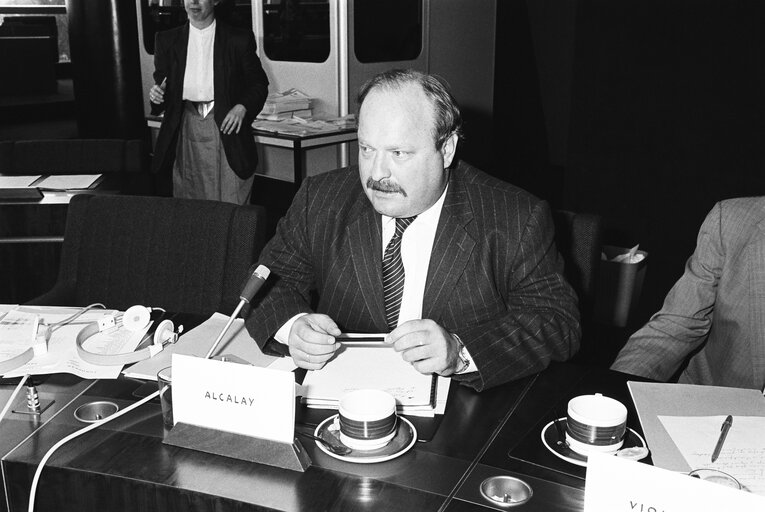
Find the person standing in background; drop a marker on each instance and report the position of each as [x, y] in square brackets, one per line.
[210, 84]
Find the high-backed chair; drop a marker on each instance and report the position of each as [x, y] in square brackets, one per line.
[579, 238]
[183, 255]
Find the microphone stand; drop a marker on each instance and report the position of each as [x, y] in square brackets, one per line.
[225, 329]
[256, 280]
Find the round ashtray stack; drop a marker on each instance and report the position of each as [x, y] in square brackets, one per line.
[95, 411]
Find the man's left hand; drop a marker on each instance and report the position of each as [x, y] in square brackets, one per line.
[427, 346]
[232, 123]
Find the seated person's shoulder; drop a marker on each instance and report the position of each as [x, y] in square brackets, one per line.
[735, 219]
[743, 209]
[492, 189]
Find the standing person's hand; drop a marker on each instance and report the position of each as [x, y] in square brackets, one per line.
[157, 92]
[232, 123]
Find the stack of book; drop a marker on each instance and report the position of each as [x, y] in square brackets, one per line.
[286, 105]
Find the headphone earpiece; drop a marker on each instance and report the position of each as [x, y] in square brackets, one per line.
[136, 318]
[165, 332]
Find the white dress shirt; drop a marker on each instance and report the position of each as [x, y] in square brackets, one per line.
[198, 77]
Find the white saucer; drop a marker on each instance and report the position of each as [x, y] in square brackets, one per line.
[406, 436]
[550, 439]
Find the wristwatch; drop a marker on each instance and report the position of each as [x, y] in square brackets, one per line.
[463, 355]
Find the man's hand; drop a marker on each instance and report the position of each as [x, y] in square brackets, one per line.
[312, 340]
[427, 345]
[232, 123]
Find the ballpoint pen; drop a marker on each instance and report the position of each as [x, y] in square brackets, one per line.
[723, 434]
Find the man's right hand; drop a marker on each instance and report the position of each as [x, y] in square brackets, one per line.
[312, 340]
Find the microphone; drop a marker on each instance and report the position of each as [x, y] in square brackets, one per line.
[254, 282]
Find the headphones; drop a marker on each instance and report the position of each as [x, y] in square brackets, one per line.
[136, 319]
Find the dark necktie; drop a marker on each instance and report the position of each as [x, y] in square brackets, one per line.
[393, 273]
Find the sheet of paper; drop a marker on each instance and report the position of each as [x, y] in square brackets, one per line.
[742, 455]
[616, 484]
[654, 399]
[368, 367]
[68, 181]
[17, 181]
[62, 357]
[197, 342]
[237, 398]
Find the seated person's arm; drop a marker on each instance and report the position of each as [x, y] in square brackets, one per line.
[539, 323]
[658, 349]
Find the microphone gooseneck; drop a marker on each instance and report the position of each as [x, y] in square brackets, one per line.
[257, 279]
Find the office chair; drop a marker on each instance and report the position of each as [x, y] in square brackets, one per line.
[579, 239]
[183, 255]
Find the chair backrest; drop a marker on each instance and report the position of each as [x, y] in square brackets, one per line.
[579, 238]
[183, 255]
[77, 156]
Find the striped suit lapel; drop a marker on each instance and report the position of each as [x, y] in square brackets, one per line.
[365, 239]
[452, 248]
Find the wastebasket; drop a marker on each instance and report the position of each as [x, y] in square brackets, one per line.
[619, 287]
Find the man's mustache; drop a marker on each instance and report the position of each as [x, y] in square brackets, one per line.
[384, 186]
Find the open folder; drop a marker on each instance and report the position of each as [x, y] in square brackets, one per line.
[682, 423]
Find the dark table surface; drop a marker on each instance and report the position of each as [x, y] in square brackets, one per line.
[124, 465]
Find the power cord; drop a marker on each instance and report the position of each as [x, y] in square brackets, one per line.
[73, 435]
[61, 323]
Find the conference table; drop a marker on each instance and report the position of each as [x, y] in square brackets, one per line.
[124, 465]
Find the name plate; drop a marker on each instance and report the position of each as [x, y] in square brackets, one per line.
[238, 398]
[615, 484]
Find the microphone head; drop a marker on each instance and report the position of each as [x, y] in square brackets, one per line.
[254, 282]
[262, 270]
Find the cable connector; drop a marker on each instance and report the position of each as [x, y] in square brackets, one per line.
[106, 323]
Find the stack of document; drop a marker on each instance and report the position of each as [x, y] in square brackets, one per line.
[375, 367]
[285, 105]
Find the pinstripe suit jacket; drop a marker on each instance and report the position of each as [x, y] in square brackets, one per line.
[494, 276]
[715, 313]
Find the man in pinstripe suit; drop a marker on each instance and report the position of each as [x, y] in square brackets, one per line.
[484, 298]
[711, 328]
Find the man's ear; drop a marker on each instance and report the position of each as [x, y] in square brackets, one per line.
[448, 149]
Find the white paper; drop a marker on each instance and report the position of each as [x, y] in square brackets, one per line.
[62, 357]
[371, 367]
[18, 331]
[197, 342]
[68, 181]
[616, 484]
[232, 397]
[742, 455]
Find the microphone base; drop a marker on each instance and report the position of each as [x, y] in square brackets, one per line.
[236, 446]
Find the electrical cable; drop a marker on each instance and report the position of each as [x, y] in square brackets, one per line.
[57, 325]
[36, 478]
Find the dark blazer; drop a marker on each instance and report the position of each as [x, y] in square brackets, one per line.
[494, 277]
[713, 318]
[239, 78]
